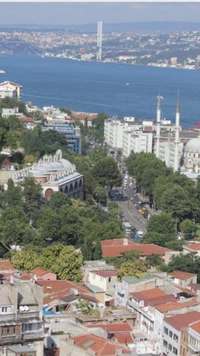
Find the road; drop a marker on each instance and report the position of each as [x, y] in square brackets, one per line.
[131, 213]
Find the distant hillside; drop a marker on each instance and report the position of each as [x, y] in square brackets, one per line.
[113, 27]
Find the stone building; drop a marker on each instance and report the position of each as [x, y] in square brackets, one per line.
[54, 174]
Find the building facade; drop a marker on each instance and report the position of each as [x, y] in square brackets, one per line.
[55, 174]
[11, 90]
[72, 134]
[21, 323]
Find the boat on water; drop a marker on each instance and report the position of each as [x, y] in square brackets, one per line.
[127, 83]
[2, 71]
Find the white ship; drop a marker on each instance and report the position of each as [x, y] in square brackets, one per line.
[2, 71]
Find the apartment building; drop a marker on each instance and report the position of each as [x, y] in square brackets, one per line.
[72, 134]
[128, 135]
[105, 280]
[21, 324]
[113, 132]
[138, 141]
[11, 90]
[182, 279]
[175, 333]
[193, 339]
[7, 112]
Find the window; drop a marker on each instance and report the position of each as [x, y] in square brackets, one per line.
[4, 309]
[175, 337]
[175, 351]
[170, 347]
[109, 279]
[165, 331]
[165, 343]
[170, 334]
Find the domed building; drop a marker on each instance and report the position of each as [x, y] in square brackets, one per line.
[191, 157]
[54, 174]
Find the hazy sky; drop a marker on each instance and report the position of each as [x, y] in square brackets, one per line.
[81, 13]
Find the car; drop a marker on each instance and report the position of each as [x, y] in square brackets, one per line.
[131, 198]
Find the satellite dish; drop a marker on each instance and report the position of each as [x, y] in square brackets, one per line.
[26, 308]
[21, 308]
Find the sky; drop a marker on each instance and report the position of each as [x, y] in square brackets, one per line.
[76, 13]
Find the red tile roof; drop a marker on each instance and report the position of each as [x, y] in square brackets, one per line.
[27, 119]
[6, 265]
[153, 297]
[164, 308]
[112, 327]
[56, 286]
[125, 338]
[118, 328]
[110, 273]
[39, 271]
[181, 275]
[196, 326]
[162, 300]
[99, 345]
[115, 249]
[182, 320]
[117, 242]
[195, 247]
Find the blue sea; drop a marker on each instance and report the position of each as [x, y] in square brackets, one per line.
[97, 87]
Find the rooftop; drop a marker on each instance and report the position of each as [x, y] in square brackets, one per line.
[135, 280]
[164, 308]
[39, 271]
[181, 275]
[6, 265]
[99, 345]
[183, 320]
[194, 247]
[118, 246]
[105, 274]
[196, 326]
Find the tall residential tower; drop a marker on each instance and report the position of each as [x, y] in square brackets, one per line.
[177, 138]
[158, 118]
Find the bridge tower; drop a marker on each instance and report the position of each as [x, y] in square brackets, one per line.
[99, 41]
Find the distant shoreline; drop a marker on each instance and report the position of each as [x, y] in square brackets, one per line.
[103, 61]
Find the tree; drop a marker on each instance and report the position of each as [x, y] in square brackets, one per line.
[86, 308]
[13, 195]
[25, 260]
[68, 264]
[107, 172]
[49, 226]
[135, 268]
[32, 194]
[58, 199]
[47, 259]
[154, 261]
[186, 263]
[188, 228]
[97, 251]
[158, 239]
[100, 194]
[177, 202]
[161, 224]
[97, 153]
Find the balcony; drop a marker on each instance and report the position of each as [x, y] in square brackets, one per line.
[8, 317]
[10, 339]
[28, 315]
[33, 335]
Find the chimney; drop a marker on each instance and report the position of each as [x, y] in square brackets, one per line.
[125, 242]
